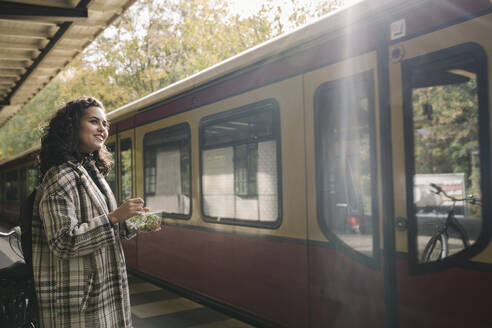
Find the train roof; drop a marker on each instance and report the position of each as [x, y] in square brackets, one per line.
[25, 154]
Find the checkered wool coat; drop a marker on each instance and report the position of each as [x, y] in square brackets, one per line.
[78, 262]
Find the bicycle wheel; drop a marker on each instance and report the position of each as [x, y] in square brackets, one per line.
[18, 307]
[436, 248]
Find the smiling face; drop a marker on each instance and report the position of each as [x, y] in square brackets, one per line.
[93, 130]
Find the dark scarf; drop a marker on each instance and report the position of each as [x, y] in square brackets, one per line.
[89, 165]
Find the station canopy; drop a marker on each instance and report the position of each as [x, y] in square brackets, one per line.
[38, 38]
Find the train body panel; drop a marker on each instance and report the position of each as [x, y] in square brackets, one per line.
[343, 293]
[295, 180]
[230, 268]
[464, 289]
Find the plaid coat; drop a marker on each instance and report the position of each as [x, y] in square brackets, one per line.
[78, 262]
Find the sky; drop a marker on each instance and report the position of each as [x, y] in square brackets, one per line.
[247, 7]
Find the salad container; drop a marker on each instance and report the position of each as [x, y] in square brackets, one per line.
[147, 222]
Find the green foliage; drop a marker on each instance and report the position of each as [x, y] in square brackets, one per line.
[177, 39]
[445, 141]
[154, 44]
[22, 132]
[446, 134]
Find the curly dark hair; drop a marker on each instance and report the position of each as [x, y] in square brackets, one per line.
[60, 138]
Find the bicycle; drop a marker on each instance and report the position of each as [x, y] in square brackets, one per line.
[14, 236]
[441, 236]
[18, 307]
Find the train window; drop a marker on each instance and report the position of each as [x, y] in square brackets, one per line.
[245, 168]
[447, 151]
[150, 164]
[167, 178]
[22, 183]
[31, 179]
[240, 165]
[11, 185]
[111, 177]
[126, 176]
[346, 164]
[1, 191]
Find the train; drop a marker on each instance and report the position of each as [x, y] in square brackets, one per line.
[295, 179]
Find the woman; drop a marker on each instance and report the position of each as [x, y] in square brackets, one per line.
[78, 262]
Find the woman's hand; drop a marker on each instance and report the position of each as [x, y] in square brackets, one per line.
[130, 208]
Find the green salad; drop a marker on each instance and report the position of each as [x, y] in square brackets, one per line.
[145, 222]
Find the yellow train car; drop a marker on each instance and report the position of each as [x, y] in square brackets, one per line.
[18, 178]
[336, 176]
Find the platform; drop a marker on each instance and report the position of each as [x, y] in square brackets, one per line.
[152, 306]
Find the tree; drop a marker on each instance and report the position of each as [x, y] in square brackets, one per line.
[154, 44]
[176, 40]
[22, 131]
[446, 136]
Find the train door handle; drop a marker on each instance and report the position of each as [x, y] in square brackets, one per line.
[401, 224]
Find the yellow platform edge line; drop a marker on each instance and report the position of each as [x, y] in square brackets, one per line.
[154, 309]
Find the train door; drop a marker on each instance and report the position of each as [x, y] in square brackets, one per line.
[126, 165]
[1, 195]
[440, 123]
[346, 282]
[126, 185]
[12, 195]
[111, 177]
